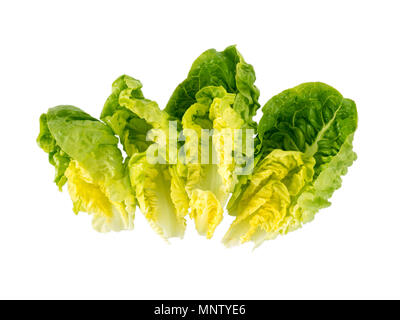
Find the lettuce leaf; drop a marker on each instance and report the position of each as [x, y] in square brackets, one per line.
[157, 186]
[266, 206]
[92, 165]
[313, 118]
[218, 93]
[305, 147]
[212, 68]
[211, 177]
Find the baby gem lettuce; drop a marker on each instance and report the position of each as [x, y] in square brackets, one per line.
[204, 152]
[305, 147]
[85, 153]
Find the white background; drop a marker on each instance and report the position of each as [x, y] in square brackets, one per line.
[69, 52]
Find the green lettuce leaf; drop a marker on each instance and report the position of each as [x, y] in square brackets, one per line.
[158, 188]
[212, 68]
[267, 204]
[309, 130]
[210, 177]
[98, 181]
[313, 118]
